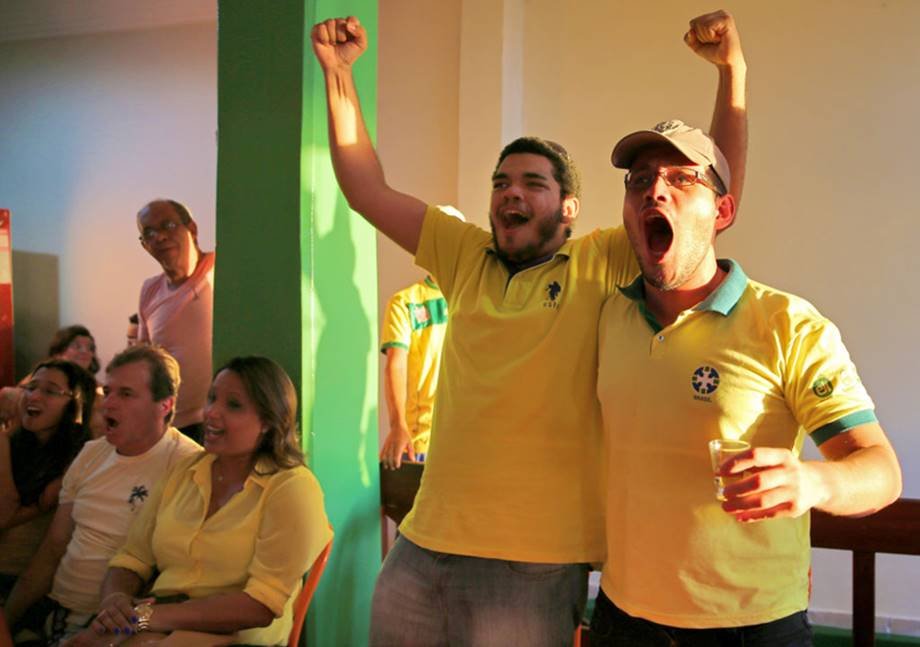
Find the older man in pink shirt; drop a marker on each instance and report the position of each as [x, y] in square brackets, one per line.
[176, 306]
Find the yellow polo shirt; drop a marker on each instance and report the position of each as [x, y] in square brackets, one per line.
[515, 469]
[416, 320]
[260, 542]
[750, 363]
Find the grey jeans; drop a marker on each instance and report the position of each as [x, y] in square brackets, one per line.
[429, 599]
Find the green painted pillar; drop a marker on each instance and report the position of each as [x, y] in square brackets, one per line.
[296, 274]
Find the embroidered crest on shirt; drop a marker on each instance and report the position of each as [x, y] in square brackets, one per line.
[138, 495]
[823, 387]
[421, 314]
[705, 381]
[553, 290]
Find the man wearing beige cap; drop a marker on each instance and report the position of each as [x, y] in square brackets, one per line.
[702, 353]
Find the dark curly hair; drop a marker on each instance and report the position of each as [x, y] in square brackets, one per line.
[564, 169]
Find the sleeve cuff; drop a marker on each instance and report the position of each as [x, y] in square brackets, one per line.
[393, 344]
[271, 596]
[123, 560]
[828, 431]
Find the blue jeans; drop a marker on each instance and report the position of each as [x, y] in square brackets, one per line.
[432, 599]
[613, 627]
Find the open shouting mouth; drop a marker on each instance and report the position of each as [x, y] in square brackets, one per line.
[658, 234]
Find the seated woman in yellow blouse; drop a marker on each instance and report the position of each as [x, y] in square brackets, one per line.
[233, 528]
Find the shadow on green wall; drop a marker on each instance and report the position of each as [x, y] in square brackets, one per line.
[346, 462]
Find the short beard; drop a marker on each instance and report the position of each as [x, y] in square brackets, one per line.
[684, 272]
[545, 233]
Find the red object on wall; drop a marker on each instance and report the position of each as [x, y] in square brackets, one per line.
[6, 300]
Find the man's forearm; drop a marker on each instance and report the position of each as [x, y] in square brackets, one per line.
[34, 583]
[729, 125]
[395, 386]
[863, 482]
[353, 157]
[120, 580]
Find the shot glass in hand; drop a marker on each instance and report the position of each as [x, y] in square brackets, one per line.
[720, 450]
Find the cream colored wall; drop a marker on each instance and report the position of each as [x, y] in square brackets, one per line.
[417, 122]
[91, 128]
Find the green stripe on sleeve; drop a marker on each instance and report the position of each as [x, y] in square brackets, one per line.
[846, 423]
[393, 344]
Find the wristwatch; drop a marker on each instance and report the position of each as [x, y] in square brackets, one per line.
[143, 611]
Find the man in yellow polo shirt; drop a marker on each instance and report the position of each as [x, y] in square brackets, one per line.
[510, 511]
[411, 339]
[701, 352]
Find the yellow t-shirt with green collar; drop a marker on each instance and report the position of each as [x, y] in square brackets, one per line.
[515, 469]
[416, 320]
[750, 363]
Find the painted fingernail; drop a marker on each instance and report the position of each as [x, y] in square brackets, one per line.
[134, 619]
[117, 631]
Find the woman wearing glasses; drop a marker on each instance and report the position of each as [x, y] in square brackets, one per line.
[35, 449]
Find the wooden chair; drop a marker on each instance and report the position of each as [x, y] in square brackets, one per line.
[311, 581]
[894, 530]
[398, 489]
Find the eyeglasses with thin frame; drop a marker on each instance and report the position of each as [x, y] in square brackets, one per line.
[680, 177]
[149, 233]
[49, 391]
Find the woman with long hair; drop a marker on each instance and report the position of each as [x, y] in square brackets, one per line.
[75, 343]
[231, 531]
[35, 450]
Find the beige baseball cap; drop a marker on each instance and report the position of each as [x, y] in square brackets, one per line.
[692, 142]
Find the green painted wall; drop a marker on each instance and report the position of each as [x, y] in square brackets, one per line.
[296, 274]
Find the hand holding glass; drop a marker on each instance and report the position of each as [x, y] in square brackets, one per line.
[720, 450]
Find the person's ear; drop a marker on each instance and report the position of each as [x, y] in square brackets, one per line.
[725, 212]
[570, 207]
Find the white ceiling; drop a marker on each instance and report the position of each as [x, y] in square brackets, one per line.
[31, 19]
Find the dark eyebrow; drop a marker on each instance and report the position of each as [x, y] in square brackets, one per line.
[499, 176]
[536, 176]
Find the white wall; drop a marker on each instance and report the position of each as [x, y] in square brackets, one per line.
[91, 128]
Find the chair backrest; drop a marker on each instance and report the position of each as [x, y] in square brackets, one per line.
[894, 530]
[302, 603]
[398, 489]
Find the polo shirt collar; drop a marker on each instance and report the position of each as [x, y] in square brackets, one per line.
[722, 300]
[726, 296]
[201, 471]
[564, 250]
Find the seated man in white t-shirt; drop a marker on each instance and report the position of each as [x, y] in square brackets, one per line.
[105, 486]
